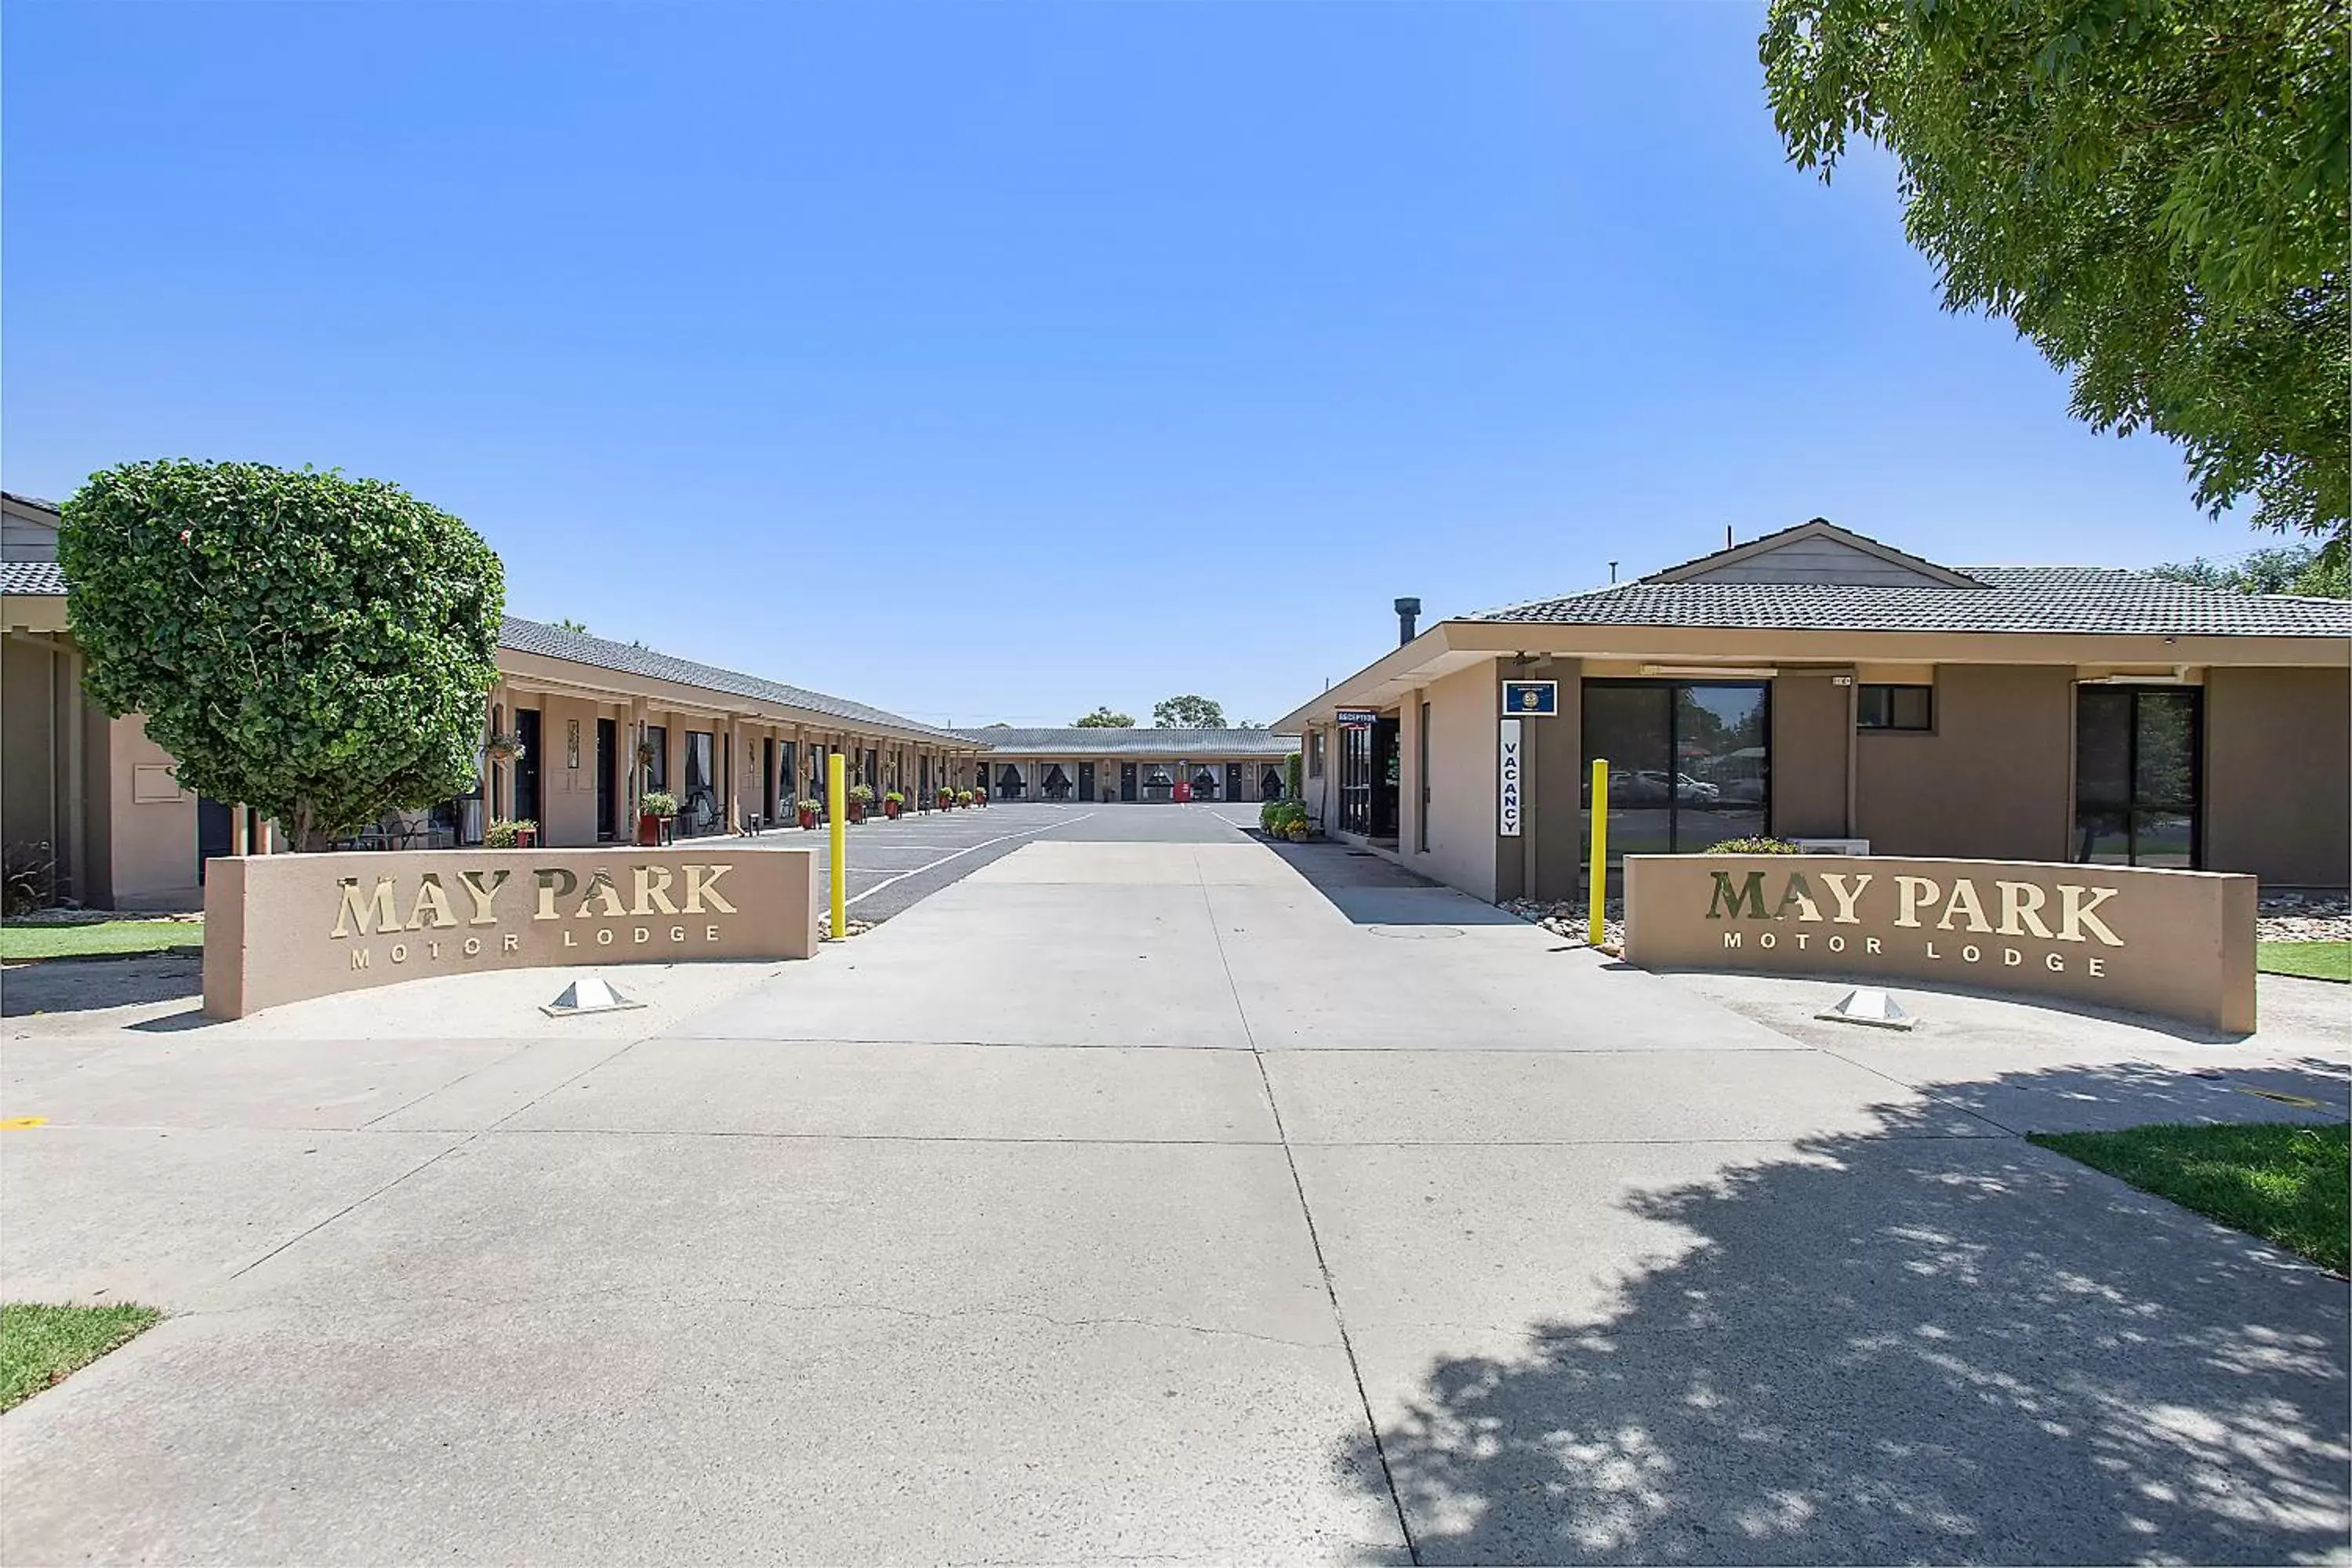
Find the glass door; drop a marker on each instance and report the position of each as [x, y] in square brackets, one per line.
[2137, 750]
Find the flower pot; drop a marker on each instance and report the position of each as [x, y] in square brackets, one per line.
[648, 829]
[526, 838]
[856, 812]
[808, 819]
[891, 808]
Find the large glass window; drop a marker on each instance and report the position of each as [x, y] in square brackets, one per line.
[1689, 764]
[2136, 768]
[657, 771]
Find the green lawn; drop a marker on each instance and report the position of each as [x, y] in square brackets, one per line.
[2312, 960]
[2287, 1183]
[108, 936]
[38, 1345]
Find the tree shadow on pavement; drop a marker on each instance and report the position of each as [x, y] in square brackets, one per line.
[1898, 1347]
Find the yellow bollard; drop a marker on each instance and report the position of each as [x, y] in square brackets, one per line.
[1596, 930]
[836, 829]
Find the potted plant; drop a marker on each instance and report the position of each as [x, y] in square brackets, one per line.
[963, 800]
[893, 803]
[808, 810]
[504, 833]
[503, 747]
[947, 798]
[655, 807]
[980, 797]
[860, 797]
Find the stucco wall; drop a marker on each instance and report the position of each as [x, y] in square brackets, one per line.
[1812, 728]
[2278, 776]
[1462, 709]
[27, 782]
[1993, 780]
[150, 845]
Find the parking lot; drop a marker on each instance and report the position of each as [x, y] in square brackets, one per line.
[894, 864]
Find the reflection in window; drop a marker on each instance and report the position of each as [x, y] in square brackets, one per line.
[1894, 707]
[657, 770]
[2135, 756]
[1689, 765]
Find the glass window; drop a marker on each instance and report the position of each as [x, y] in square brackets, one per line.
[657, 771]
[2136, 767]
[1894, 707]
[1689, 765]
[1314, 754]
[700, 806]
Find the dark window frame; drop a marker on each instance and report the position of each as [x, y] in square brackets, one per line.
[1674, 800]
[1888, 725]
[2133, 806]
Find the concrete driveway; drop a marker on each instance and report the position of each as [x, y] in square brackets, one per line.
[1150, 1194]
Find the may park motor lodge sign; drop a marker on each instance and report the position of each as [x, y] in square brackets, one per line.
[278, 928]
[2177, 944]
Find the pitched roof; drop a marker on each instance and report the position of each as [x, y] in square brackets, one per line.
[2093, 599]
[42, 578]
[1820, 530]
[1086, 741]
[34, 501]
[603, 653]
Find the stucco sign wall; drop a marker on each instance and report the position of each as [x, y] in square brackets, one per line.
[2176, 943]
[278, 928]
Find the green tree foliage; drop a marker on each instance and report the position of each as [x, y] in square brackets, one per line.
[315, 646]
[2154, 192]
[2301, 569]
[1188, 713]
[1104, 719]
[568, 625]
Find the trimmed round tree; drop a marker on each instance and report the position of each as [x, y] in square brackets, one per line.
[315, 646]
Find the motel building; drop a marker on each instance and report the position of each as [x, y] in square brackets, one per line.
[1079, 764]
[599, 723]
[1817, 685]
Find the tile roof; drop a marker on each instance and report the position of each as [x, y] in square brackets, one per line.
[37, 577]
[1073, 741]
[2087, 599]
[34, 501]
[601, 653]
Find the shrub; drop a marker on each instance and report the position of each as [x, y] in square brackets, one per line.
[1754, 847]
[1278, 817]
[660, 802]
[963, 797]
[502, 834]
[315, 646]
[894, 798]
[1290, 766]
[813, 807]
[861, 794]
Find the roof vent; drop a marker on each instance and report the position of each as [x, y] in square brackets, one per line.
[1408, 619]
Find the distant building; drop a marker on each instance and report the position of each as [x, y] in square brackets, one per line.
[1080, 763]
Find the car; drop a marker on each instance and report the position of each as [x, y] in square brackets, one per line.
[1652, 784]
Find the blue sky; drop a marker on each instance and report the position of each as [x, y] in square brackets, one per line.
[994, 362]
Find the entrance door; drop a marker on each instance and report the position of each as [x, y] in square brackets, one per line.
[1127, 781]
[1269, 784]
[1086, 780]
[1384, 778]
[526, 768]
[608, 747]
[1234, 780]
[216, 831]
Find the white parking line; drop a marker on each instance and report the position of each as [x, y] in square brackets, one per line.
[965, 851]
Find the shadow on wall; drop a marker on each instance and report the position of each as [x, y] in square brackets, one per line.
[1903, 1348]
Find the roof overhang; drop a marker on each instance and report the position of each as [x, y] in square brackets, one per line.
[32, 612]
[1453, 646]
[544, 672]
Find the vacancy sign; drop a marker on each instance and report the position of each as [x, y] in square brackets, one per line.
[1508, 764]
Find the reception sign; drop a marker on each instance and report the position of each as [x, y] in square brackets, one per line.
[2176, 943]
[279, 928]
